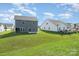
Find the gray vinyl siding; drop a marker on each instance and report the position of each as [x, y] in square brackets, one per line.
[26, 25]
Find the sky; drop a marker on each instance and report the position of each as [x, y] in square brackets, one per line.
[66, 12]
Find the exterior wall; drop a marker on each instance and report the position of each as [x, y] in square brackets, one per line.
[49, 26]
[62, 27]
[26, 26]
[8, 27]
[70, 27]
[53, 27]
[2, 28]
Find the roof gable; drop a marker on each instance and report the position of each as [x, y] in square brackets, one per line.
[53, 22]
[56, 22]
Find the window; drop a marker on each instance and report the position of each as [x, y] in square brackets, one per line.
[59, 29]
[17, 29]
[30, 30]
[49, 28]
[33, 29]
[20, 29]
[23, 29]
[23, 22]
[44, 27]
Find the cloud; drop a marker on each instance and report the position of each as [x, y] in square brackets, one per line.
[48, 15]
[24, 8]
[13, 12]
[19, 5]
[34, 8]
[75, 7]
[65, 4]
[4, 15]
[9, 14]
[65, 15]
[62, 4]
[17, 9]
[30, 12]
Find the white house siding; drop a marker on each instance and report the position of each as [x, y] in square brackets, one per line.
[9, 27]
[53, 27]
[62, 27]
[2, 28]
[46, 26]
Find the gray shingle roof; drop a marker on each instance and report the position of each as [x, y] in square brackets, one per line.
[53, 21]
[56, 22]
[28, 18]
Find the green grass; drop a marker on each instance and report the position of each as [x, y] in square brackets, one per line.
[41, 44]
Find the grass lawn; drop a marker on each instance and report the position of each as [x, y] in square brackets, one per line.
[40, 44]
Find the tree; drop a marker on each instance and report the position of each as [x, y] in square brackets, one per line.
[5, 27]
[57, 27]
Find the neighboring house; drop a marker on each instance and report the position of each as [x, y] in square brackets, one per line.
[5, 27]
[8, 27]
[76, 26]
[2, 27]
[70, 26]
[73, 26]
[53, 25]
[26, 24]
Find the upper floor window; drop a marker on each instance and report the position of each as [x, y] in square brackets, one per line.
[23, 22]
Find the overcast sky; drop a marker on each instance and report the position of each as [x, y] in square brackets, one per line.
[64, 12]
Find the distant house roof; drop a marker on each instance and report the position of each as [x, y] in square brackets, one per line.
[77, 23]
[28, 18]
[69, 24]
[55, 22]
[6, 24]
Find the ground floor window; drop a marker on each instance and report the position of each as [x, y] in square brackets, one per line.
[17, 29]
[21, 29]
[49, 28]
[44, 27]
[29, 29]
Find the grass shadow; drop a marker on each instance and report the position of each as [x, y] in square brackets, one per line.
[11, 34]
[60, 33]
